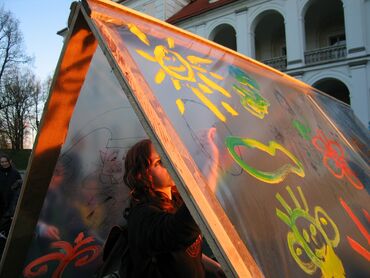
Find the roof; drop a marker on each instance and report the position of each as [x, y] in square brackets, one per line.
[197, 7]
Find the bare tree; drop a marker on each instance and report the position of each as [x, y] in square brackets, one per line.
[20, 86]
[4, 141]
[12, 51]
[39, 97]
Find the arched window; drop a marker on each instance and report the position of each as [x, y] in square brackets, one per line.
[270, 43]
[335, 88]
[324, 31]
[225, 35]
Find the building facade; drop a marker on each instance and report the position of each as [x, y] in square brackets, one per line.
[326, 44]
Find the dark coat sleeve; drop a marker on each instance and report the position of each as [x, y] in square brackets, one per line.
[15, 189]
[155, 231]
[15, 192]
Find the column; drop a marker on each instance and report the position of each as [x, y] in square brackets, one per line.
[355, 26]
[294, 33]
[360, 91]
[243, 39]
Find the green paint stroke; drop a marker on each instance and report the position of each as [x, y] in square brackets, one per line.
[274, 177]
[250, 97]
[243, 78]
[253, 102]
[303, 129]
[318, 253]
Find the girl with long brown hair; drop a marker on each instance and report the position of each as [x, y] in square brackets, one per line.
[164, 240]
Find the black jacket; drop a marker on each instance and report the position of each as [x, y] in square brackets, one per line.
[163, 244]
[10, 182]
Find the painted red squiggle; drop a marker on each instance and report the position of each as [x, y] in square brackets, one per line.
[354, 244]
[67, 254]
[333, 151]
[367, 215]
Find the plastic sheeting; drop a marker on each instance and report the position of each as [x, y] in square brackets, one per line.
[273, 162]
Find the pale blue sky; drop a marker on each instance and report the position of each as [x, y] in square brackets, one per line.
[39, 22]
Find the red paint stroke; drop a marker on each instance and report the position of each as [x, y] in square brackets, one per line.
[367, 215]
[65, 255]
[359, 248]
[332, 150]
[354, 244]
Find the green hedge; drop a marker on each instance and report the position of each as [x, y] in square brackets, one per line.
[19, 158]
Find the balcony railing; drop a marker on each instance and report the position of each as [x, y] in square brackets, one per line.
[278, 63]
[325, 54]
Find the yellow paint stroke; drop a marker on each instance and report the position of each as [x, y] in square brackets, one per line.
[180, 106]
[209, 104]
[199, 69]
[198, 60]
[213, 85]
[176, 83]
[138, 33]
[171, 42]
[160, 76]
[332, 265]
[229, 109]
[215, 75]
[146, 55]
[250, 86]
[205, 88]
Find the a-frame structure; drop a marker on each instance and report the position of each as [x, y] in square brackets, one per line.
[275, 173]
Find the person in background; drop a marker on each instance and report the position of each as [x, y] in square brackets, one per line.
[10, 185]
[164, 240]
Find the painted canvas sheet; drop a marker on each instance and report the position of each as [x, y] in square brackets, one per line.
[86, 195]
[286, 178]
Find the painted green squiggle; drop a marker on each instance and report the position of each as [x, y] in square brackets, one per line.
[249, 92]
[243, 78]
[276, 176]
[252, 102]
[303, 129]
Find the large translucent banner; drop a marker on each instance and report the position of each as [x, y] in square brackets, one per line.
[86, 195]
[289, 181]
[275, 173]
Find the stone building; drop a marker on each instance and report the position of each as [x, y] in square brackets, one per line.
[326, 44]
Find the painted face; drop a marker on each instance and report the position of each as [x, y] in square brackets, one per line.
[158, 173]
[4, 162]
[312, 239]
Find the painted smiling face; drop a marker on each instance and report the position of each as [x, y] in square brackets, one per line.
[311, 240]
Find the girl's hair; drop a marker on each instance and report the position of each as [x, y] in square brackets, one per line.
[137, 178]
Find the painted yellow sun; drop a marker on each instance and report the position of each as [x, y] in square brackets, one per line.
[187, 73]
